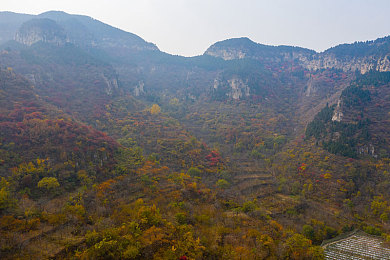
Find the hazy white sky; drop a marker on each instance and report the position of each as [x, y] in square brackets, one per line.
[189, 27]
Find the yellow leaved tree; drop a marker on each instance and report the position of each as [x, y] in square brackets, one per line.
[155, 109]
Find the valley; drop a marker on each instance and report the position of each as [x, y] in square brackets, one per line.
[112, 149]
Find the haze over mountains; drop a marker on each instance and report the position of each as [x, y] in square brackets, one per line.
[140, 65]
[244, 140]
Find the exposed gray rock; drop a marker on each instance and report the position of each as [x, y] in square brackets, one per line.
[44, 30]
[363, 64]
[139, 89]
[238, 88]
[112, 84]
[367, 150]
[338, 114]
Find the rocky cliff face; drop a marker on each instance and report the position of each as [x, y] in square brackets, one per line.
[234, 87]
[338, 113]
[376, 55]
[111, 84]
[44, 30]
[139, 89]
[238, 89]
[361, 64]
[241, 48]
[226, 54]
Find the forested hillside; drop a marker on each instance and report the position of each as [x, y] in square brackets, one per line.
[112, 149]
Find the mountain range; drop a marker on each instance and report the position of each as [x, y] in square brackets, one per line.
[111, 148]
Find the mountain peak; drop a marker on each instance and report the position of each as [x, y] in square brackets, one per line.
[55, 15]
[230, 49]
[85, 30]
[239, 48]
[54, 12]
[240, 41]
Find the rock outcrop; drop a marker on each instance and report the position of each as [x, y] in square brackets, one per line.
[241, 48]
[111, 83]
[139, 89]
[238, 89]
[234, 87]
[338, 114]
[361, 64]
[375, 55]
[44, 30]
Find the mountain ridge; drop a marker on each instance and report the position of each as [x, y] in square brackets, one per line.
[99, 29]
[112, 148]
[62, 16]
[373, 54]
